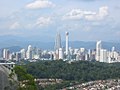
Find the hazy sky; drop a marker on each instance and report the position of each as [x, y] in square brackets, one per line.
[88, 20]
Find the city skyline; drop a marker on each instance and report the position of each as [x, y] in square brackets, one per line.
[86, 20]
[33, 53]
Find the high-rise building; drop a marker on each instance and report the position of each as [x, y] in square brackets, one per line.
[29, 52]
[58, 50]
[23, 53]
[67, 53]
[57, 41]
[18, 56]
[6, 54]
[103, 56]
[67, 43]
[60, 53]
[98, 48]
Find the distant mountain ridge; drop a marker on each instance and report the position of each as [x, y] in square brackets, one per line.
[15, 46]
[16, 43]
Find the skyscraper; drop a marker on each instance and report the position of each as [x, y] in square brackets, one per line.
[57, 41]
[29, 52]
[67, 42]
[23, 53]
[98, 48]
[103, 56]
[67, 47]
[58, 50]
[60, 53]
[6, 54]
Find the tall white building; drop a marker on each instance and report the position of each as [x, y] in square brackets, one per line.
[29, 52]
[103, 56]
[60, 53]
[67, 43]
[58, 48]
[98, 48]
[23, 53]
[57, 41]
[6, 54]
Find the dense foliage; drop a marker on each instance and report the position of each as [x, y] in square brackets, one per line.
[26, 81]
[81, 71]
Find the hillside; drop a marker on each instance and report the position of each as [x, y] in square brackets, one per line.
[80, 70]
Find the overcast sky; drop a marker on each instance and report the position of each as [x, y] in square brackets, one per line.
[86, 20]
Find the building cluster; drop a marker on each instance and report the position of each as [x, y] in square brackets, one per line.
[31, 53]
[103, 55]
[113, 84]
[67, 53]
[98, 54]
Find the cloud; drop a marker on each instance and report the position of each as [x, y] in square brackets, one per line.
[38, 4]
[43, 21]
[77, 14]
[103, 12]
[15, 25]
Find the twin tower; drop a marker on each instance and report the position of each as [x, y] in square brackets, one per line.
[59, 52]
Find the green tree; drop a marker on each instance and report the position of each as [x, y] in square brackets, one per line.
[26, 81]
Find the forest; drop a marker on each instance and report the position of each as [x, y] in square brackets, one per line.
[79, 70]
[71, 72]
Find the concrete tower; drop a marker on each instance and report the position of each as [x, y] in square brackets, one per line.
[98, 49]
[67, 43]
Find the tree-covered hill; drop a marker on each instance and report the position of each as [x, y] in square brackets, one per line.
[82, 71]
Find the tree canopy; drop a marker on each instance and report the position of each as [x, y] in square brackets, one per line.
[79, 71]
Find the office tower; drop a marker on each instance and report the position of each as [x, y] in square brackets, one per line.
[51, 55]
[77, 56]
[57, 41]
[98, 48]
[109, 57]
[18, 56]
[38, 52]
[12, 56]
[6, 54]
[23, 53]
[67, 43]
[68, 56]
[71, 51]
[29, 52]
[86, 56]
[103, 56]
[58, 54]
[90, 54]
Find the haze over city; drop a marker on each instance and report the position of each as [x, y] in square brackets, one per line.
[86, 20]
